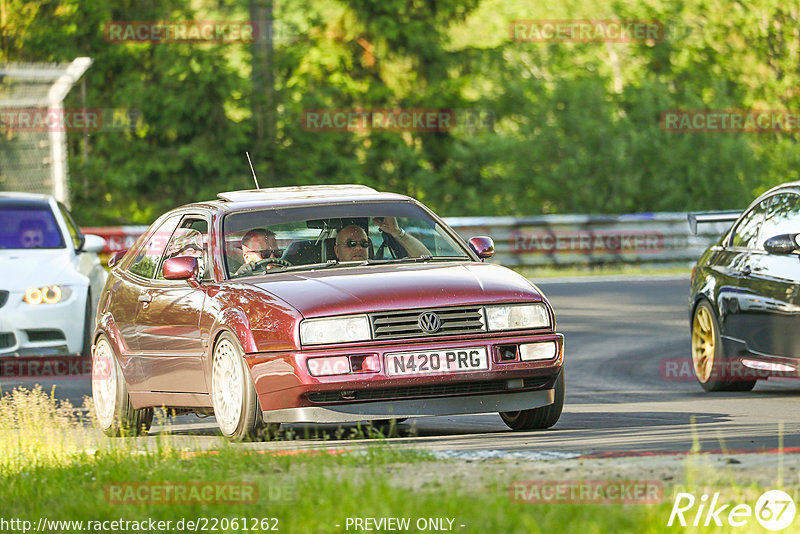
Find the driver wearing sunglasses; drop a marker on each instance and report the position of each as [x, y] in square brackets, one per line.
[257, 245]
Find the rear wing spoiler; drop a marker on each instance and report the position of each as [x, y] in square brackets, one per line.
[711, 217]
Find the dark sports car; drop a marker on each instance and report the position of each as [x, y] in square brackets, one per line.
[319, 304]
[745, 295]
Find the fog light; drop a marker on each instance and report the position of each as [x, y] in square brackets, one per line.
[508, 353]
[538, 351]
[330, 365]
[365, 364]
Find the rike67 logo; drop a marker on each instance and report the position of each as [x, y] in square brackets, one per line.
[774, 510]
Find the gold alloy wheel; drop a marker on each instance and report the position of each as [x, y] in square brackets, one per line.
[703, 343]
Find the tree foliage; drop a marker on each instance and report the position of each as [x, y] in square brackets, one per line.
[575, 125]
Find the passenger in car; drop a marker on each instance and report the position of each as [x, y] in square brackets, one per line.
[352, 244]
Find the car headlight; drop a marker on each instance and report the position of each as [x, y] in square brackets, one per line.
[335, 330]
[517, 317]
[46, 295]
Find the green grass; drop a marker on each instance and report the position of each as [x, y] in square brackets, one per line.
[47, 471]
[305, 493]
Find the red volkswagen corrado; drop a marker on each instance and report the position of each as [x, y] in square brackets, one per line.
[319, 304]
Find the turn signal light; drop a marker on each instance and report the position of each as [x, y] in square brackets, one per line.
[329, 366]
[538, 351]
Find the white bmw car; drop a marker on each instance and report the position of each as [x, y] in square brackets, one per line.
[50, 278]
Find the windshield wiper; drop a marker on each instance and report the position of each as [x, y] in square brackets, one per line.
[420, 259]
[284, 268]
[329, 263]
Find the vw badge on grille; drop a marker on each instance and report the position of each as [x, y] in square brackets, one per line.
[429, 322]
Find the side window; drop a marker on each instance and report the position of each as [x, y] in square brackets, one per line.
[190, 239]
[74, 232]
[148, 256]
[782, 217]
[746, 233]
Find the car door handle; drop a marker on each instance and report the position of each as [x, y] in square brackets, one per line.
[146, 298]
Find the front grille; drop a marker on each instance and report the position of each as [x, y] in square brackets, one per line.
[3, 298]
[404, 324]
[45, 335]
[7, 340]
[429, 390]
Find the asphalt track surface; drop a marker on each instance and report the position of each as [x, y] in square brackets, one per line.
[620, 400]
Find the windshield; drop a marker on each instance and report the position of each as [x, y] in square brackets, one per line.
[28, 226]
[272, 240]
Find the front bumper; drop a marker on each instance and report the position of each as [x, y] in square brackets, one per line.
[368, 411]
[45, 329]
[288, 393]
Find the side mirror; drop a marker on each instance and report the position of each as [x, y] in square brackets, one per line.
[483, 246]
[782, 244]
[182, 268]
[93, 243]
[116, 257]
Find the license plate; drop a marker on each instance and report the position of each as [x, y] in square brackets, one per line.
[434, 362]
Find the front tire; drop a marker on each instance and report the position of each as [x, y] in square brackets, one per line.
[538, 418]
[112, 403]
[708, 358]
[233, 393]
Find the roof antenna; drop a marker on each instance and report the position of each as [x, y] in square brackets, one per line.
[252, 170]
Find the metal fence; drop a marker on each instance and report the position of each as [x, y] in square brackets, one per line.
[33, 152]
[652, 239]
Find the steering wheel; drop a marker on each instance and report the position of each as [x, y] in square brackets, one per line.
[261, 265]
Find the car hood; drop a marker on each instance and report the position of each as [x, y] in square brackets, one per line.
[21, 269]
[348, 290]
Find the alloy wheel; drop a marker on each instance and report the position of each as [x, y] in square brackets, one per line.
[703, 344]
[227, 383]
[104, 383]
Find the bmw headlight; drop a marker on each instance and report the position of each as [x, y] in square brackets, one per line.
[517, 316]
[46, 295]
[335, 330]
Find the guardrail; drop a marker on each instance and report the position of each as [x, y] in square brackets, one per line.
[582, 240]
[554, 240]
